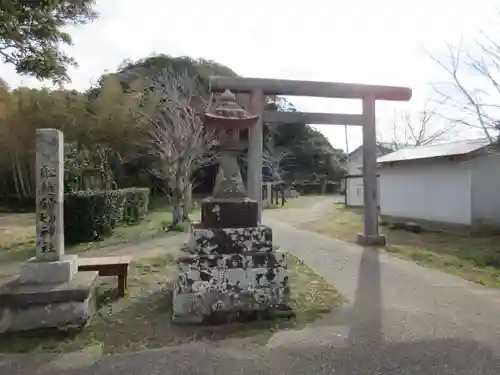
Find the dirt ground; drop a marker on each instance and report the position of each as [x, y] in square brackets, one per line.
[305, 209]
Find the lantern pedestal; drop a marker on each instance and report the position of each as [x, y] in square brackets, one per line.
[229, 269]
[229, 265]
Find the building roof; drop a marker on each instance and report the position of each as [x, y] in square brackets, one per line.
[389, 146]
[435, 150]
[383, 148]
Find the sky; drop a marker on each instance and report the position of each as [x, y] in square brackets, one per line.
[354, 41]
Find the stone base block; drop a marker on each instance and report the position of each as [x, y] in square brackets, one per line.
[39, 272]
[377, 240]
[199, 306]
[33, 306]
[229, 213]
[229, 283]
[209, 266]
[230, 240]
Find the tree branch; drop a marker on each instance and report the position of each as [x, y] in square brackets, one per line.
[474, 92]
[419, 130]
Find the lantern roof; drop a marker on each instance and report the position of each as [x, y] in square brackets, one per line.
[228, 113]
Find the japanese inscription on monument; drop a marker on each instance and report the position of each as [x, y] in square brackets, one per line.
[50, 198]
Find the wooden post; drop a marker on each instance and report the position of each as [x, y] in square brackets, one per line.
[254, 175]
[370, 236]
[269, 194]
[323, 187]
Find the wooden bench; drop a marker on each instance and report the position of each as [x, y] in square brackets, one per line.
[108, 266]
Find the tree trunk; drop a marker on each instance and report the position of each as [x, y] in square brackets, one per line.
[188, 199]
[177, 202]
[15, 180]
[30, 179]
[24, 173]
[19, 176]
[176, 211]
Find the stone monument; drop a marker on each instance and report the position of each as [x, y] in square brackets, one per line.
[49, 291]
[229, 264]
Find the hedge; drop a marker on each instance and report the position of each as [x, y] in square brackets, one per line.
[136, 202]
[92, 215]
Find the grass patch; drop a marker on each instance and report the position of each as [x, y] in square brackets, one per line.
[342, 223]
[474, 258]
[311, 294]
[142, 319]
[18, 233]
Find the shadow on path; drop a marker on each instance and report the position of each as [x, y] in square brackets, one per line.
[367, 352]
[366, 312]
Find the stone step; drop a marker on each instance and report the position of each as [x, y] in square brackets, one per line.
[230, 261]
[229, 240]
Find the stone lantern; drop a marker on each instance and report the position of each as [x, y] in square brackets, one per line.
[229, 264]
[234, 208]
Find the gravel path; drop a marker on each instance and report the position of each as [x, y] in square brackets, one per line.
[440, 323]
[401, 319]
[305, 209]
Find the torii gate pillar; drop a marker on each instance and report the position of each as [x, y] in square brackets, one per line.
[370, 235]
[254, 170]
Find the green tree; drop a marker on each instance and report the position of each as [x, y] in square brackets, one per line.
[31, 33]
[113, 117]
[309, 154]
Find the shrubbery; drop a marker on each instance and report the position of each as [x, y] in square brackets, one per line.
[135, 207]
[92, 215]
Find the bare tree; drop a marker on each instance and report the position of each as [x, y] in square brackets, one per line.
[415, 129]
[273, 159]
[471, 93]
[175, 135]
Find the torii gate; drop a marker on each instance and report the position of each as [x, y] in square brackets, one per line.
[258, 88]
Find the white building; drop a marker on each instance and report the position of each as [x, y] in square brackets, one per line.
[452, 183]
[353, 181]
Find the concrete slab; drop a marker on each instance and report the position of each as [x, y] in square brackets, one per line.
[19, 295]
[35, 271]
[33, 306]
